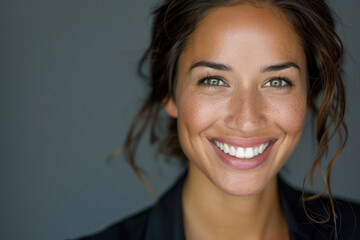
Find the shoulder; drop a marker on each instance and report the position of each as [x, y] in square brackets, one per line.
[131, 228]
[347, 214]
[163, 220]
[348, 219]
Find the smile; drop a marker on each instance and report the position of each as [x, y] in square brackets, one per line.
[242, 152]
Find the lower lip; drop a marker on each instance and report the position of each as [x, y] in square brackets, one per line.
[243, 163]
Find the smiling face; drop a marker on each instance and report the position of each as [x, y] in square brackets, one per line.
[240, 97]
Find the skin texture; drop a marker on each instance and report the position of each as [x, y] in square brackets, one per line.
[243, 105]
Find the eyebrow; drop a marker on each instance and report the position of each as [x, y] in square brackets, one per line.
[280, 66]
[214, 65]
[223, 67]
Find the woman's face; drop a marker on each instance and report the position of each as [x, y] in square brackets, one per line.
[240, 97]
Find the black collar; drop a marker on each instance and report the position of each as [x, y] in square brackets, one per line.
[166, 219]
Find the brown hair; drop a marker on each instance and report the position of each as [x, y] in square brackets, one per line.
[312, 20]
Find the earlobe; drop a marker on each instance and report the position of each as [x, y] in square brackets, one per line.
[170, 108]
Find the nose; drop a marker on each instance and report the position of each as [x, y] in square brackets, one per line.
[246, 112]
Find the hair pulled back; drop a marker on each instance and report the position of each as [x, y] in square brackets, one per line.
[175, 20]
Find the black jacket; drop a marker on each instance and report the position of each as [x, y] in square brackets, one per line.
[164, 220]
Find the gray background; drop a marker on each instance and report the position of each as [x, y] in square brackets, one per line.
[68, 93]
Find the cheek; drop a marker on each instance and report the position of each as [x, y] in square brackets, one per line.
[197, 112]
[289, 114]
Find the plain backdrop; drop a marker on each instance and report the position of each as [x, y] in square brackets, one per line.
[68, 93]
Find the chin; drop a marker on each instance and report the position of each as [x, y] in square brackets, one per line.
[243, 188]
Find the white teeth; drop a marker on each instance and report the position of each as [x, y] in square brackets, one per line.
[249, 153]
[241, 152]
[226, 148]
[256, 151]
[232, 151]
[221, 146]
[261, 148]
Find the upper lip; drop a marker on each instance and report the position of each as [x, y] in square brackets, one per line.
[243, 142]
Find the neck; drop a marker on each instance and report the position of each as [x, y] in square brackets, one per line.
[210, 213]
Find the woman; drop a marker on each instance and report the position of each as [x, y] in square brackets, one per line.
[237, 79]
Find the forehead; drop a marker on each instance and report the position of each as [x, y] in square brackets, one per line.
[253, 33]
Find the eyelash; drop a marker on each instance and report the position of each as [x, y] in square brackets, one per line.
[203, 80]
[288, 82]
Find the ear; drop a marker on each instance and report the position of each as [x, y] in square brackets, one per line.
[170, 107]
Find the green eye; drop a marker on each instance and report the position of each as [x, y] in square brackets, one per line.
[213, 81]
[277, 83]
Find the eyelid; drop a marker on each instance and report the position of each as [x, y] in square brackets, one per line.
[209, 77]
[287, 80]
